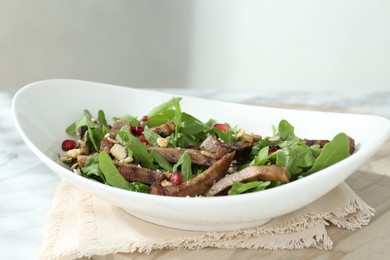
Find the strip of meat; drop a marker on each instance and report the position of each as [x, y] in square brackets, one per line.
[131, 172]
[215, 147]
[116, 127]
[322, 143]
[105, 145]
[198, 157]
[251, 173]
[199, 184]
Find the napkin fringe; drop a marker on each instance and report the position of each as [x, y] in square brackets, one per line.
[53, 222]
[354, 214]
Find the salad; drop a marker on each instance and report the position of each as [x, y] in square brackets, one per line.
[172, 153]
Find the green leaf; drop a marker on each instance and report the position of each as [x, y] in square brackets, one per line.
[262, 157]
[162, 108]
[296, 158]
[333, 152]
[185, 164]
[226, 137]
[286, 131]
[151, 136]
[131, 120]
[92, 170]
[85, 121]
[111, 173]
[162, 161]
[103, 122]
[93, 136]
[134, 147]
[192, 126]
[239, 188]
[139, 187]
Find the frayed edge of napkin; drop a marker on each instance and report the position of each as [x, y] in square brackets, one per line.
[352, 215]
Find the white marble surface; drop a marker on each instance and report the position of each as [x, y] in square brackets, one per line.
[27, 186]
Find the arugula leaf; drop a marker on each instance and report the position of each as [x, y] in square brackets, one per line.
[103, 122]
[92, 170]
[134, 147]
[151, 136]
[93, 136]
[296, 158]
[262, 157]
[192, 125]
[162, 161]
[185, 163]
[139, 187]
[111, 173]
[226, 137]
[286, 131]
[333, 152]
[161, 118]
[85, 121]
[162, 108]
[239, 188]
[114, 178]
[131, 120]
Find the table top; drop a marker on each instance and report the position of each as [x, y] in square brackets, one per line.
[27, 186]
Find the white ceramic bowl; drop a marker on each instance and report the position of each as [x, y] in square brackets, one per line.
[43, 110]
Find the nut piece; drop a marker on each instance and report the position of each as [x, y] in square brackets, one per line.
[274, 138]
[118, 151]
[73, 153]
[162, 142]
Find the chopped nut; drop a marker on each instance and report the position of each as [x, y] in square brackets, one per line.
[128, 159]
[77, 171]
[113, 141]
[240, 133]
[166, 183]
[118, 151]
[274, 138]
[205, 153]
[73, 153]
[162, 142]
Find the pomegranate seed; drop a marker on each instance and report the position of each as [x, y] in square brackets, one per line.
[137, 130]
[142, 139]
[273, 149]
[176, 178]
[144, 119]
[223, 127]
[69, 145]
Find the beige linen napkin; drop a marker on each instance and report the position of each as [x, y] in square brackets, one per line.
[82, 225]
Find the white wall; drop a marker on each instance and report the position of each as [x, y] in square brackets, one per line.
[204, 44]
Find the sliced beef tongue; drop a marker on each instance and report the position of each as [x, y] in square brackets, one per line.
[199, 184]
[251, 173]
[198, 157]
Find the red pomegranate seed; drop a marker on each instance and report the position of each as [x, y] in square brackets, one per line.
[69, 144]
[223, 127]
[137, 130]
[176, 178]
[273, 149]
[144, 119]
[143, 139]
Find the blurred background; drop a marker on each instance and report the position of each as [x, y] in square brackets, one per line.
[257, 45]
